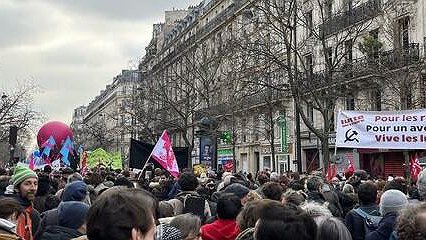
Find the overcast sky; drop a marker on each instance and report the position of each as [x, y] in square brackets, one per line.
[73, 48]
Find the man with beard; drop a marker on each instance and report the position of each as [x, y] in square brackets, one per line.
[25, 183]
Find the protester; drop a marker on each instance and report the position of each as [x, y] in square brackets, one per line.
[277, 221]
[421, 185]
[25, 183]
[411, 223]
[391, 202]
[367, 193]
[74, 191]
[9, 212]
[189, 200]
[225, 227]
[331, 228]
[71, 222]
[189, 225]
[272, 190]
[121, 214]
[246, 220]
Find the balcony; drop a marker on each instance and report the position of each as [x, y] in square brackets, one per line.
[387, 60]
[361, 13]
[361, 67]
[253, 100]
[219, 19]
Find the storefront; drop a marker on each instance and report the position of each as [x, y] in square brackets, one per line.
[283, 163]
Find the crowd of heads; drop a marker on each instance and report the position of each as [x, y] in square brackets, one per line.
[107, 204]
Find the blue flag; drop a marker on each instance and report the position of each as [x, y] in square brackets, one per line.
[48, 145]
[66, 149]
[80, 149]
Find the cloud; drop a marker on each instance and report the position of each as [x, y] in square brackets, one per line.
[73, 49]
[121, 10]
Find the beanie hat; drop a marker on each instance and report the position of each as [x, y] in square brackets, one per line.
[72, 214]
[392, 201]
[20, 174]
[421, 183]
[75, 191]
[238, 189]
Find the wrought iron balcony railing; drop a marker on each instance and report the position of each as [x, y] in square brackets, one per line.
[383, 61]
[387, 60]
[350, 17]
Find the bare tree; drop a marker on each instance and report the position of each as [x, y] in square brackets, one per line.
[17, 109]
[305, 41]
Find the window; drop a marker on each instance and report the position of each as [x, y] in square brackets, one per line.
[348, 51]
[309, 65]
[406, 97]
[404, 39]
[375, 35]
[350, 102]
[309, 23]
[329, 55]
[310, 112]
[377, 100]
[350, 5]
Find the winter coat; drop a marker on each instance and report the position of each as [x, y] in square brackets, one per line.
[60, 233]
[319, 198]
[385, 229]
[39, 203]
[221, 229]
[347, 201]
[48, 218]
[6, 231]
[355, 223]
[28, 220]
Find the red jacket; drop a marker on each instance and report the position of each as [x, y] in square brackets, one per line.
[221, 229]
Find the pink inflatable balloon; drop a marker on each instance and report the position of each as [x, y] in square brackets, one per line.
[59, 130]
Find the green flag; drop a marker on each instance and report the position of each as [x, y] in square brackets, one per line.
[116, 162]
[97, 157]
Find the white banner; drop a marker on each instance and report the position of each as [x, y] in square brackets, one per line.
[387, 129]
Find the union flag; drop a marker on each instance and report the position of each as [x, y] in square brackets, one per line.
[164, 155]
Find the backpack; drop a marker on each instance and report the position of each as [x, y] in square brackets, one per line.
[371, 222]
[193, 203]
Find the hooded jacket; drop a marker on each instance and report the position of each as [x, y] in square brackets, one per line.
[60, 233]
[221, 229]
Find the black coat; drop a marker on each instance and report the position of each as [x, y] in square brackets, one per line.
[355, 223]
[60, 233]
[385, 229]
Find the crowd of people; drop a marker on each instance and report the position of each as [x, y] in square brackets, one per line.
[110, 205]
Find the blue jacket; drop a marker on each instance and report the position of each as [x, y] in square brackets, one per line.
[385, 229]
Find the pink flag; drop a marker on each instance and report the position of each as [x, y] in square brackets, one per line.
[164, 155]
